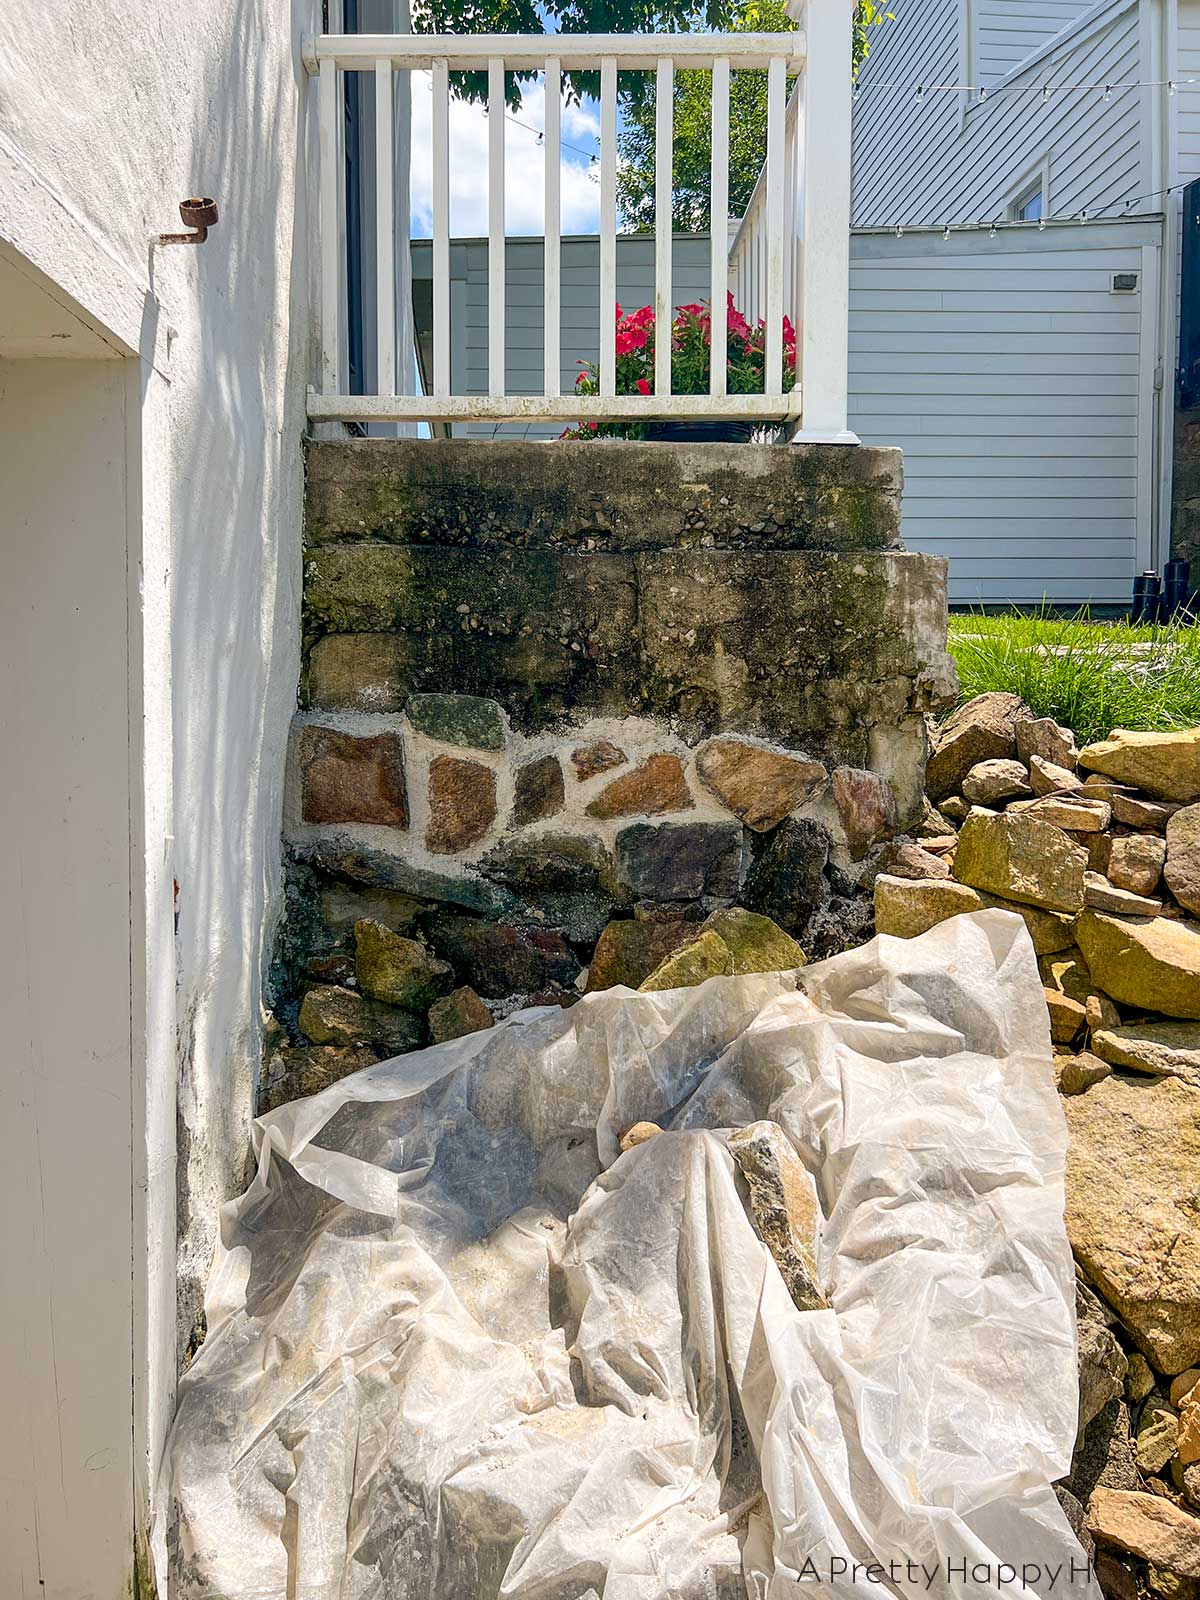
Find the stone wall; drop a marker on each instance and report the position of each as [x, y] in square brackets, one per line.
[553, 685]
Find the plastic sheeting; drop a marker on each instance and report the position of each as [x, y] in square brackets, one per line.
[460, 1347]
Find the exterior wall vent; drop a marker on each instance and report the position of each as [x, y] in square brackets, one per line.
[1125, 282]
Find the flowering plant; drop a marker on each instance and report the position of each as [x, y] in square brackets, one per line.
[691, 359]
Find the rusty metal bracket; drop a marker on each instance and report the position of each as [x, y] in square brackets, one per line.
[199, 214]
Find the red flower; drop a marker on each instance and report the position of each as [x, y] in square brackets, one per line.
[789, 335]
[631, 339]
[737, 323]
[643, 386]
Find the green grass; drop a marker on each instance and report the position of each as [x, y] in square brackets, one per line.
[1091, 676]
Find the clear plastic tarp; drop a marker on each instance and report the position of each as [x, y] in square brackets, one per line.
[460, 1347]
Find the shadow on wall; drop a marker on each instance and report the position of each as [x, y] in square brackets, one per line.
[240, 302]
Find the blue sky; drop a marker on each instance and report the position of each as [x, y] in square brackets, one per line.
[524, 165]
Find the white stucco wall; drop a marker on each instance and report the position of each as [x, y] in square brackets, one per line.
[109, 115]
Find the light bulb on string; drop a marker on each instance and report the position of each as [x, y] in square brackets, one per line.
[920, 94]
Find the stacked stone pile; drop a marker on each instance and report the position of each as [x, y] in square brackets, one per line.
[1098, 849]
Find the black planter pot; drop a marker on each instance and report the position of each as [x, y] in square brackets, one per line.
[714, 430]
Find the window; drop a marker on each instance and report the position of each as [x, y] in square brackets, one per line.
[1028, 207]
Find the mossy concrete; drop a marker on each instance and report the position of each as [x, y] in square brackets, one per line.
[604, 495]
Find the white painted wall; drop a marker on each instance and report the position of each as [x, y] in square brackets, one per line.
[67, 1083]
[109, 115]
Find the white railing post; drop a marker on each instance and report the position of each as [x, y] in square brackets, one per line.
[824, 221]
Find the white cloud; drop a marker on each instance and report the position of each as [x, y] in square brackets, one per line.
[524, 192]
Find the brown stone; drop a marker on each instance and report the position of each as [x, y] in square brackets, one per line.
[1067, 1016]
[758, 785]
[1165, 764]
[627, 952]
[1072, 812]
[538, 790]
[457, 1014]
[330, 1015]
[1067, 972]
[1101, 1013]
[783, 1206]
[600, 755]
[905, 909]
[1101, 895]
[1132, 1162]
[866, 806]
[1046, 740]
[1147, 1526]
[1021, 859]
[357, 672]
[1149, 962]
[1099, 850]
[1162, 1049]
[462, 803]
[654, 787]
[1182, 870]
[705, 957]
[955, 809]
[639, 1133]
[990, 782]
[299, 1070]
[1136, 812]
[1135, 862]
[908, 860]
[1045, 777]
[347, 777]
[1078, 1073]
[981, 730]
[397, 970]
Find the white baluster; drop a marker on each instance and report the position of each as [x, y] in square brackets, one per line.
[441, 229]
[608, 225]
[331, 242]
[495, 226]
[385, 231]
[719, 224]
[552, 227]
[776, 115]
[664, 145]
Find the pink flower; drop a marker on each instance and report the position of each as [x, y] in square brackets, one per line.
[593, 426]
[789, 335]
[630, 340]
[736, 322]
[642, 386]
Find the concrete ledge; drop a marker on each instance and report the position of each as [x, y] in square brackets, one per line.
[606, 495]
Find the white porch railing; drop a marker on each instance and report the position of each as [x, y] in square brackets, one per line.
[791, 256]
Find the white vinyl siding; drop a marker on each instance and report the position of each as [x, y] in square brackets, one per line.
[1013, 380]
[1011, 376]
[927, 164]
[1004, 32]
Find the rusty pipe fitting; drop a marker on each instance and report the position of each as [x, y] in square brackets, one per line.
[199, 214]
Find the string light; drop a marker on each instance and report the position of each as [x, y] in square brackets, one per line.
[988, 92]
[920, 95]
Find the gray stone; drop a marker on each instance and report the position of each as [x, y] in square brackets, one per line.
[787, 882]
[1104, 1456]
[784, 1208]
[462, 719]
[381, 869]
[1102, 1363]
[681, 861]
[563, 880]
[866, 807]
[504, 494]
[497, 960]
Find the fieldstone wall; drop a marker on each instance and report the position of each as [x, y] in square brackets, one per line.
[549, 686]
